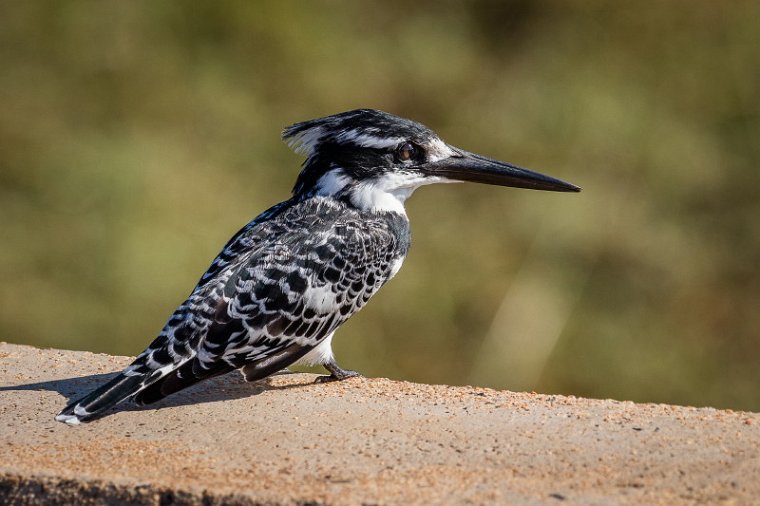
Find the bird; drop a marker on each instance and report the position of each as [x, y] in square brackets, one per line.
[282, 285]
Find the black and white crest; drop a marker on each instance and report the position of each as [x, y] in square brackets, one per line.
[367, 128]
[362, 143]
[286, 281]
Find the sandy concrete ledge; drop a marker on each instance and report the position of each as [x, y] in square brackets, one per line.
[361, 441]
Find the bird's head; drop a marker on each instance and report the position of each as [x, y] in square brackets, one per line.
[376, 160]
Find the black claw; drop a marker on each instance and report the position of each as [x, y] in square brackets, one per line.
[338, 377]
[336, 373]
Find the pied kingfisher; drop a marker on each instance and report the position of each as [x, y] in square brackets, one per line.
[287, 280]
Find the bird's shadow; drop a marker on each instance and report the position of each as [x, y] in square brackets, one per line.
[227, 387]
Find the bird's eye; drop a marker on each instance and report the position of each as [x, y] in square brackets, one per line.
[407, 151]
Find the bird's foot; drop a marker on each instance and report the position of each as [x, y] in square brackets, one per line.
[337, 377]
[336, 373]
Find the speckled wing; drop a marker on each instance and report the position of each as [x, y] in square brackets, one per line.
[278, 288]
[179, 341]
[305, 271]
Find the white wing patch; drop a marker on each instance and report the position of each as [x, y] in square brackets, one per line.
[321, 299]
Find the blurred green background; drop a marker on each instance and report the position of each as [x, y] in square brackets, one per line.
[136, 137]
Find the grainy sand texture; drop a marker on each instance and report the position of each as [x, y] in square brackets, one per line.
[360, 441]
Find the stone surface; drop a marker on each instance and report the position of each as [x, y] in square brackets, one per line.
[360, 441]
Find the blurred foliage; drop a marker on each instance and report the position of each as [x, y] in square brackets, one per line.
[136, 137]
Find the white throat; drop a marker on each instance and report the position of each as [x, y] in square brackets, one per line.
[386, 193]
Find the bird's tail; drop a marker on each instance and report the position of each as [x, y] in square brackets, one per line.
[92, 405]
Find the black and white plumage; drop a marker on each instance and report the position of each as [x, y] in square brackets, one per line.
[283, 284]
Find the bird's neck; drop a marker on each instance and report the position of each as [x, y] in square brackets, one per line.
[376, 195]
[386, 193]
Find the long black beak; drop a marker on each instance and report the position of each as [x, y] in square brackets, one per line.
[465, 166]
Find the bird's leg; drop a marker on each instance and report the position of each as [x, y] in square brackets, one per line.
[336, 373]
